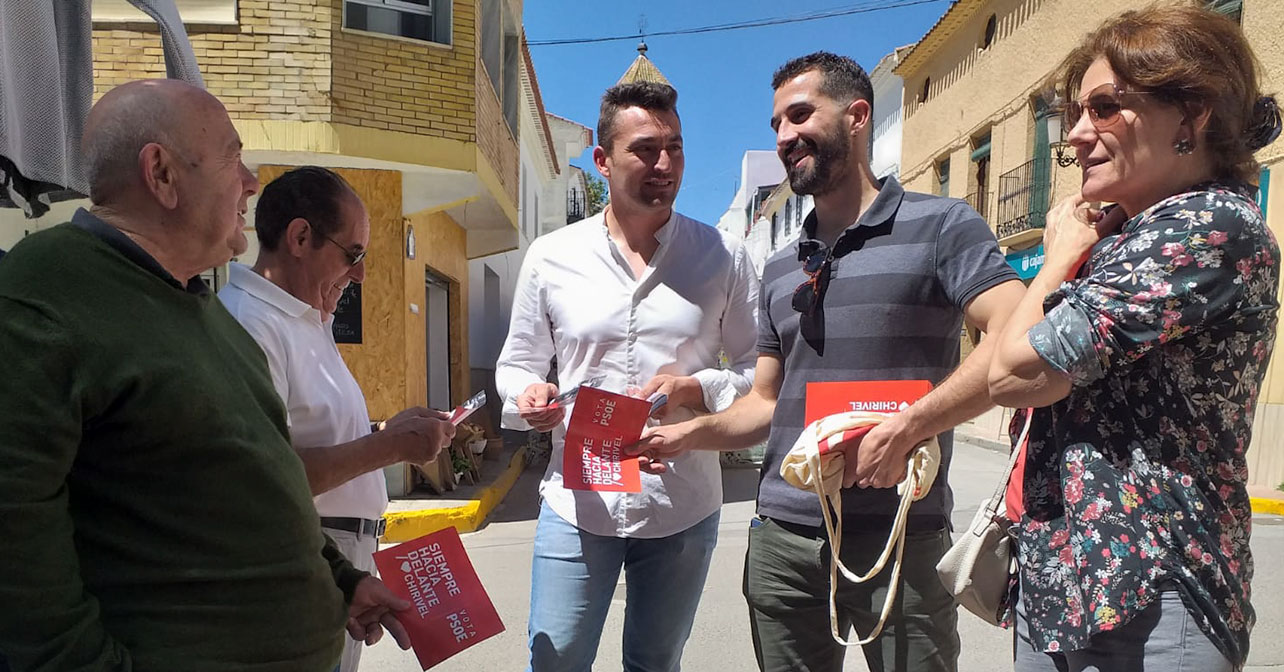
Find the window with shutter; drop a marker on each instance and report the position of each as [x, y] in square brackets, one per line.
[423, 20]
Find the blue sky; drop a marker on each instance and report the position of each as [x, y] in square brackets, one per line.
[723, 79]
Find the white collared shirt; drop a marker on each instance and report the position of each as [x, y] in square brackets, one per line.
[577, 299]
[324, 404]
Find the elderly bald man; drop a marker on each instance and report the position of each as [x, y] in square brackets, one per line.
[152, 512]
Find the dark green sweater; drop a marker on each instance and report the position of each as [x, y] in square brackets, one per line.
[152, 513]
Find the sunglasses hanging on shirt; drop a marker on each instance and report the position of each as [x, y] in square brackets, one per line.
[809, 294]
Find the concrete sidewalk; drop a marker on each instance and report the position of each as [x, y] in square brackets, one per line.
[1264, 499]
[465, 509]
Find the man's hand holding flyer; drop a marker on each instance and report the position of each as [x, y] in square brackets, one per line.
[602, 424]
[566, 398]
[449, 609]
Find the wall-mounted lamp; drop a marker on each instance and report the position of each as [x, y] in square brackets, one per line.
[1062, 151]
[1064, 154]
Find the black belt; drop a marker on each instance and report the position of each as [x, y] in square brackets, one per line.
[358, 526]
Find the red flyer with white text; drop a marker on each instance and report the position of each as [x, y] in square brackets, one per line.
[449, 609]
[602, 424]
[883, 396]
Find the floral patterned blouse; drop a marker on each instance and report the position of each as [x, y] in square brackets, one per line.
[1136, 480]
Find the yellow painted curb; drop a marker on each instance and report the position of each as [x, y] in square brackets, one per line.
[407, 525]
[1267, 505]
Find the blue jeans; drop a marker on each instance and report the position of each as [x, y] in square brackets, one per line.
[573, 579]
[1163, 637]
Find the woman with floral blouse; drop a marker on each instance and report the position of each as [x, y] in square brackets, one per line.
[1144, 367]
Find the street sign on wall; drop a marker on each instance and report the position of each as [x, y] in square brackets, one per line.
[1026, 262]
[1263, 189]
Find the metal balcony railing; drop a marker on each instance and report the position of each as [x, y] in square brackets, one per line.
[575, 206]
[1023, 198]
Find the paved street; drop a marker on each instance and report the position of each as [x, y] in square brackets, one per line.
[720, 641]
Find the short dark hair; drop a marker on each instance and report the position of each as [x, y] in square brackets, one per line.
[842, 78]
[311, 192]
[651, 96]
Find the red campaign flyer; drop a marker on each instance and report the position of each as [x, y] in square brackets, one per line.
[882, 396]
[449, 609]
[602, 424]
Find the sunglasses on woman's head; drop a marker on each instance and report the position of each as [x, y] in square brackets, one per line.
[1103, 105]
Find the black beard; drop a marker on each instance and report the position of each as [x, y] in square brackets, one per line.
[828, 160]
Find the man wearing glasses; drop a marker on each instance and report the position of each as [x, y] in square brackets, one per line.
[876, 290]
[313, 231]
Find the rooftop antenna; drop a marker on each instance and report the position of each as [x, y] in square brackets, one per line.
[642, 34]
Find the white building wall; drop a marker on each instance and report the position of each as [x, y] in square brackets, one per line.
[14, 225]
[758, 168]
[541, 207]
[732, 222]
[889, 89]
[569, 141]
[791, 216]
[576, 188]
[765, 240]
[490, 307]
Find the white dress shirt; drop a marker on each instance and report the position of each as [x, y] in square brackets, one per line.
[577, 299]
[325, 405]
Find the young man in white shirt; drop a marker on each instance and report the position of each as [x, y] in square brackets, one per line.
[313, 231]
[647, 299]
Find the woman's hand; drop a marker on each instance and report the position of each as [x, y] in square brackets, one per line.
[1073, 227]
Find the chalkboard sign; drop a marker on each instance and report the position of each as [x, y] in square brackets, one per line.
[347, 316]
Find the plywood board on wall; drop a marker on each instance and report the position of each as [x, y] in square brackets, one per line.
[378, 363]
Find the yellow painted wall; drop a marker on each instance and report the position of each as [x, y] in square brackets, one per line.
[973, 89]
[976, 89]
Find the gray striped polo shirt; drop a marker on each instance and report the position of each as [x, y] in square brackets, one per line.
[892, 310]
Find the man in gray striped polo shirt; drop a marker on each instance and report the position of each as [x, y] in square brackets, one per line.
[877, 289]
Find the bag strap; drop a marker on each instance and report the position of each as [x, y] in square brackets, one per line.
[895, 542]
[997, 498]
